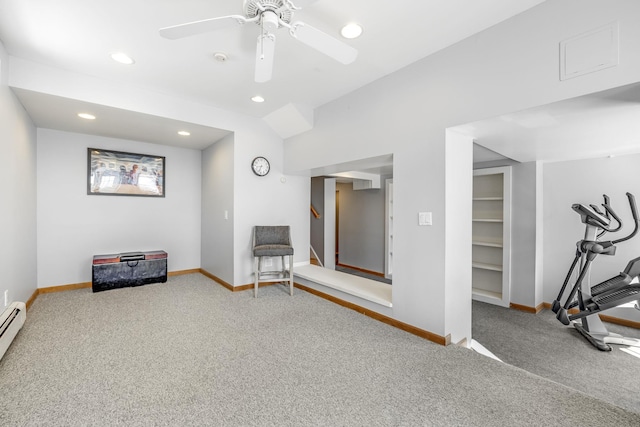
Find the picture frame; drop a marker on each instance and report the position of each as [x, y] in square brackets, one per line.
[119, 173]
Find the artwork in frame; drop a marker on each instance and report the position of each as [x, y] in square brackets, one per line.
[117, 173]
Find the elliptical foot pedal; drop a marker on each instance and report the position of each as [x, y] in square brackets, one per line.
[600, 345]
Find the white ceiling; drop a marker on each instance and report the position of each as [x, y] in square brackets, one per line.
[597, 125]
[54, 112]
[79, 35]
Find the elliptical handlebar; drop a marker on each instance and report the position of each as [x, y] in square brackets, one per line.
[609, 211]
[606, 203]
[592, 215]
[636, 221]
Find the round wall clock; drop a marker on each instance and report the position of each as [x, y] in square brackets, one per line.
[260, 166]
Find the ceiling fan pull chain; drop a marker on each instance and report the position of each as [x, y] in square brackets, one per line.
[262, 40]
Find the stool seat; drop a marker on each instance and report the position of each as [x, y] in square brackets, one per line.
[272, 250]
[272, 241]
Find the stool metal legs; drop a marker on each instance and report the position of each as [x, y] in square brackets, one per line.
[282, 276]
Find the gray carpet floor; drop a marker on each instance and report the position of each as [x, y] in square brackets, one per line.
[191, 353]
[542, 345]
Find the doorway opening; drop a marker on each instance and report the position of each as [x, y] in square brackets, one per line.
[350, 229]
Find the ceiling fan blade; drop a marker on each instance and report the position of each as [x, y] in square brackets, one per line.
[323, 42]
[304, 3]
[199, 27]
[265, 52]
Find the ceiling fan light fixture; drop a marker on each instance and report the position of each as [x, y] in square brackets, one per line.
[257, 98]
[86, 116]
[122, 58]
[351, 31]
[269, 21]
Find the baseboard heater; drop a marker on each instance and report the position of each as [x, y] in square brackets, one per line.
[11, 322]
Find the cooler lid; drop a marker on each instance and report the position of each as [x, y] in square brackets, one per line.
[106, 259]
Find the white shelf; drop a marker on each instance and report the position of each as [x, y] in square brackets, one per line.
[485, 266]
[496, 244]
[487, 294]
[488, 199]
[487, 220]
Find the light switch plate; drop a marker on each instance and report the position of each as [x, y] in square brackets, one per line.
[424, 218]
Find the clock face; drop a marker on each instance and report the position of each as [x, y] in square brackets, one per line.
[260, 166]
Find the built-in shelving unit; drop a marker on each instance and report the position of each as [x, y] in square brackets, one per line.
[491, 254]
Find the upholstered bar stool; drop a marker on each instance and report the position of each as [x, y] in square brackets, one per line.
[272, 241]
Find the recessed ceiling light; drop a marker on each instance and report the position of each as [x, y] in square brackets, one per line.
[184, 133]
[257, 98]
[351, 31]
[86, 116]
[122, 58]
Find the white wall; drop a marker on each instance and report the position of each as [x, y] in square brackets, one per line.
[73, 226]
[275, 199]
[459, 205]
[217, 199]
[329, 214]
[585, 181]
[17, 195]
[317, 224]
[539, 250]
[265, 200]
[509, 67]
[524, 214]
[361, 228]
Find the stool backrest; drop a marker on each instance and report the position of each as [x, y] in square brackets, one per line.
[271, 235]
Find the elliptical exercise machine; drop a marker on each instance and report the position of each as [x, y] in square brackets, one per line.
[584, 302]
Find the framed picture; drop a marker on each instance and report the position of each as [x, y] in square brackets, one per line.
[116, 173]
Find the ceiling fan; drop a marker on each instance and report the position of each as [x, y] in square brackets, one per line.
[270, 15]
